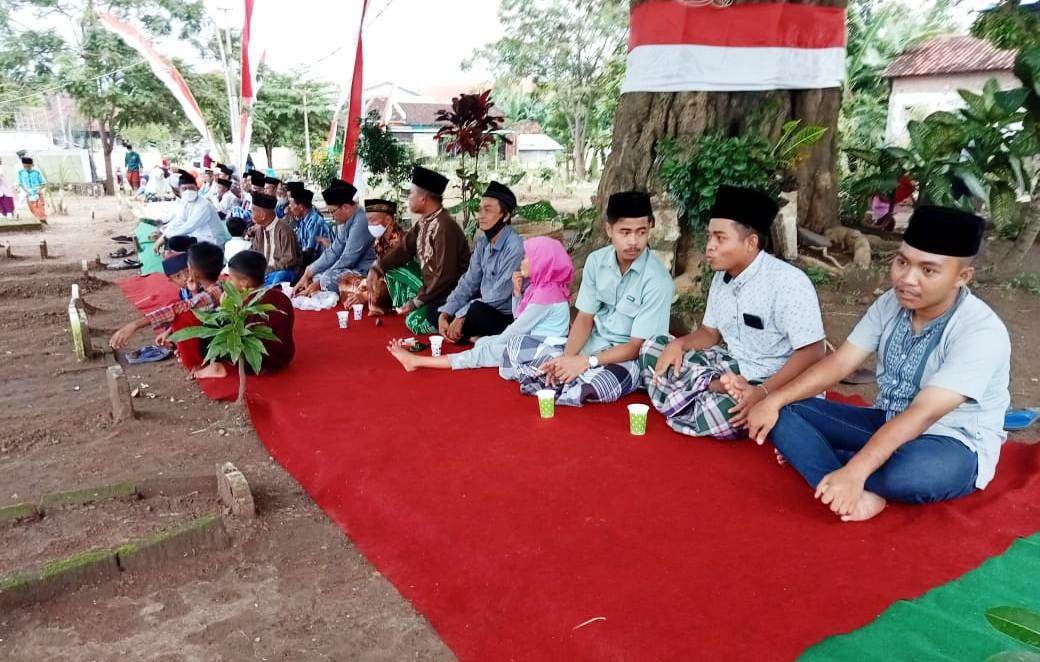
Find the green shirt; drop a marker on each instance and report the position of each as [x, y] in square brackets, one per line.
[633, 305]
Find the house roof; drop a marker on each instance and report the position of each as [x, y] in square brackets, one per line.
[950, 55]
[536, 142]
[406, 112]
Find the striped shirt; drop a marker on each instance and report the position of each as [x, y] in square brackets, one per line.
[207, 299]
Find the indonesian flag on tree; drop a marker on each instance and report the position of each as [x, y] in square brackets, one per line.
[685, 45]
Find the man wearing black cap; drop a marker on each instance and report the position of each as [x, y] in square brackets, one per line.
[766, 312]
[439, 245]
[227, 200]
[943, 366]
[482, 302]
[625, 298]
[32, 182]
[284, 190]
[192, 216]
[310, 227]
[275, 240]
[352, 252]
[271, 185]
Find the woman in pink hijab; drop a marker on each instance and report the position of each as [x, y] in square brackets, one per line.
[541, 308]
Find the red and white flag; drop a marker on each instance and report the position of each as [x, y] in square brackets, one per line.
[676, 47]
[163, 70]
[251, 59]
[349, 171]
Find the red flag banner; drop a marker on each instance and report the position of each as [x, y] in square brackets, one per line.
[675, 47]
[162, 69]
[353, 127]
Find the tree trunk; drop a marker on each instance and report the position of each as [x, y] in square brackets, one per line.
[644, 119]
[241, 399]
[1012, 262]
[269, 151]
[578, 139]
[107, 145]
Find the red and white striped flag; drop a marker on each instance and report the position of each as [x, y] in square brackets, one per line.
[250, 85]
[349, 169]
[163, 70]
[676, 47]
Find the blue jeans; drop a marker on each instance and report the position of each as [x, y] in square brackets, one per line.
[281, 276]
[818, 436]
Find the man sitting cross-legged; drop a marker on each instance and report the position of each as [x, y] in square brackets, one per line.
[275, 240]
[481, 303]
[624, 298]
[246, 271]
[353, 250]
[764, 309]
[205, 262]
[943, 368]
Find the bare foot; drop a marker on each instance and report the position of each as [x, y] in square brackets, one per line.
[868, 506]
[211, 371]
[398, 351]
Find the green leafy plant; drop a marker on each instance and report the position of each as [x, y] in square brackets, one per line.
[322, 169]
[230, 333]
[818, 276]
[692, 172]
[1029, 282]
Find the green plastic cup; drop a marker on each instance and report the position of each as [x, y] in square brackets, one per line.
[637, 419]
[546, 402]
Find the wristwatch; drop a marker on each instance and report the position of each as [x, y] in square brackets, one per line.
[593, 361]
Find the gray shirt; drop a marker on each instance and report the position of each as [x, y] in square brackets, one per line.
[972, 358]
[489, 277]
[353, 250]
[778, 295]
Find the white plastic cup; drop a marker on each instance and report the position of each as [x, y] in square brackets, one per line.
[358, 308]
[435, 345]
[343, 316]
[546, 402]
[637, 415]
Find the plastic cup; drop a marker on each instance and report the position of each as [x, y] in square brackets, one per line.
[358, 308]
[343, 317]
[637, 418]
[435, 345]
[546, 402]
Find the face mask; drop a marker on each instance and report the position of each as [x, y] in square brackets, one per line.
[376, 230]
[190, 195]
[283, 199]
[493, 231]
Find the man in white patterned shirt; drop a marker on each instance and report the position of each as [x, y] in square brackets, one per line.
[764, 310]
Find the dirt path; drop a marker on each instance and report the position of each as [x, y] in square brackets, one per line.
[292, 587]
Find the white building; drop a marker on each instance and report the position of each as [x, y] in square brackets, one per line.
[925, 79]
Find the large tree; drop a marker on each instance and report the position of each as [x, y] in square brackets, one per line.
[101, 73]
[569, 50]
[645, 119]
[279, 118]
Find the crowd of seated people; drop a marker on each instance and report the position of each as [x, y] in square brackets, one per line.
[754, 368]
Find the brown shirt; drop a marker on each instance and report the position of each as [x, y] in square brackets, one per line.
[440, 246]
[277, 242]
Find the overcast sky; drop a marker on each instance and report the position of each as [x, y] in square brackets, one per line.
[414, 43]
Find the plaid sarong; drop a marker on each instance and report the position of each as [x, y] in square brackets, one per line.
[524, 355]
[684, 399]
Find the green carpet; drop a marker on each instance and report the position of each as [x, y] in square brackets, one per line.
[150, 262]
[947, 623]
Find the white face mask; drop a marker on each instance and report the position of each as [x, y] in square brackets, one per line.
[190, 195]
[376, 230]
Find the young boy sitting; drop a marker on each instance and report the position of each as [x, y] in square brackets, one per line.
[204, 261]
[624, 298]
[246, 271]
[236, 227]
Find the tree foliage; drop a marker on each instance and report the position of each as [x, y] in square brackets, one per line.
[1008, 26]
[280, 107]
[572, 52]
[387, 160]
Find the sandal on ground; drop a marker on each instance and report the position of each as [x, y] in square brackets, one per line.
[122, 252]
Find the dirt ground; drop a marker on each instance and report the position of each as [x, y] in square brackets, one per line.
[292, 586]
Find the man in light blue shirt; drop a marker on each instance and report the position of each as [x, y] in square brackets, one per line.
[943, 368]
[353, 251]
[625, 298]
[481, 303]
[312, 231]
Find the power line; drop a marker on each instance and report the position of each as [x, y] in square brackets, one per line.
[4, 102]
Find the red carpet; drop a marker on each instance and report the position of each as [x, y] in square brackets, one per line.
[507, 531]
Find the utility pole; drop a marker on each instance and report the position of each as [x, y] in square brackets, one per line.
[306, 129]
